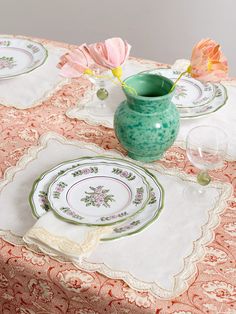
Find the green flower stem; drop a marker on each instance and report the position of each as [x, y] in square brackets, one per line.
[119, 83]
[173, 87]
[130, 89]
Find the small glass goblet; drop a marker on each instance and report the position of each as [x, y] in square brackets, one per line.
[206, 147]
[100, 100]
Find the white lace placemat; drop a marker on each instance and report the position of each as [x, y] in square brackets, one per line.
[86, 108]
[224, 118]
[161, 258]
[30, 89]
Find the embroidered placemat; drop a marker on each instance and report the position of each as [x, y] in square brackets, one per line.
[31, 89]
[162, 258]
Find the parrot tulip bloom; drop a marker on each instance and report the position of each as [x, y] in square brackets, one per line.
[76, 63]
[207, 62]
[111, 54]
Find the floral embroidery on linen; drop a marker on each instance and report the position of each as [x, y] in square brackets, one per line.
[220, 291]
[33, 258]
[230, 228]
[3, 281]
[141, 299]
[40, 289]
[75, 280]
[214, 256]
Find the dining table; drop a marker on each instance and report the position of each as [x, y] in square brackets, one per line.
[184, 262]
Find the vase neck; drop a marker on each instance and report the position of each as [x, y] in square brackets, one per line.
[148, 105]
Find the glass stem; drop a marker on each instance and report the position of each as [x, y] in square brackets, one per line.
[102, 93]
[203, 179]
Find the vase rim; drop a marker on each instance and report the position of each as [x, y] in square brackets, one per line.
[142, 74]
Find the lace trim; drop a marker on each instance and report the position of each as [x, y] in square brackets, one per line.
[106, 120]
[181, 279]
[64, 245]
[42, 144]
[10, 237]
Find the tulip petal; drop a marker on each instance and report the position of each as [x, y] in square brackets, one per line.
[115, 48]
[110, 54]
[208, 62]
[68, 71]
[74, 63]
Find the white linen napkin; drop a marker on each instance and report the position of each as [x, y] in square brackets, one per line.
[56, 237]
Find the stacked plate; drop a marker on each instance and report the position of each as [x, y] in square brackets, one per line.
[99, 191]
[192, 97]
[19, 56]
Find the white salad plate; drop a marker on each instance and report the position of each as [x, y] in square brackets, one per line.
[98, 194]
[40, 205]
[192, 97]
[19, 56]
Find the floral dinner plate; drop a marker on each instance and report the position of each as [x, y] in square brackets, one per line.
[39, 202]
[19, 56]
[143, 219]
[98, 194]
[192, 97]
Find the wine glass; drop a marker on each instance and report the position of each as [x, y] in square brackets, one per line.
[206, 147]
[100, 101]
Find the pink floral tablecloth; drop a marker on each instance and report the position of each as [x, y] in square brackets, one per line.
[34, 283]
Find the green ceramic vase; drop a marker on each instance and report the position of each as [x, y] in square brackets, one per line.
[147, 122]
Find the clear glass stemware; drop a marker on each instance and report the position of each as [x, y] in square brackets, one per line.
[206, 147]
[100, 98]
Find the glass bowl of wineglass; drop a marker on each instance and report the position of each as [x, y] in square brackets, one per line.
[105, 93]
[206, 148]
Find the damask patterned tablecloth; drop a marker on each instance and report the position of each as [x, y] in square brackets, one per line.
[33, 282]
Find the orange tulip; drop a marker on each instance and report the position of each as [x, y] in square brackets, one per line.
[207, 62]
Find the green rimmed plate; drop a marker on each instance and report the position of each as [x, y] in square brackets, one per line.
[98, 194]
[133, 225]
[192, 97]
[19, 56]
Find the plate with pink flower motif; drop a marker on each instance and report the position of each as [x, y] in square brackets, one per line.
[19, 56]
[40, 205]
[194, 98]
[99, 193]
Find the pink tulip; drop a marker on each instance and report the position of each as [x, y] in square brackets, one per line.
[207, 62]
[111, 54]
[76, 63]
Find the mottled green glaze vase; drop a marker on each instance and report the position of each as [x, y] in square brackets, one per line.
[147, 123]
